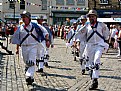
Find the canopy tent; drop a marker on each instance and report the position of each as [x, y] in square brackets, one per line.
[109, 19]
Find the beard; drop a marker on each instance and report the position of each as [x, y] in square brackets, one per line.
[92, 21]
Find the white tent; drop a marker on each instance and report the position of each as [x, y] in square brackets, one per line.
[109, 19]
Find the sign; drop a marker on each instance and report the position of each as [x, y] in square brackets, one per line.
[107, 12]
[17, 16]
[66, 15]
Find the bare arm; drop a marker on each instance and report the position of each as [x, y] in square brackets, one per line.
[17, 49]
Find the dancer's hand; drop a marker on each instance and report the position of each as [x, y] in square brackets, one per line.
[47, 44]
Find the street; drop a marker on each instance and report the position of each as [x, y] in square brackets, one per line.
[63, 74]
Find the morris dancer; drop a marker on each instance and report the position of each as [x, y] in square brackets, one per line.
[28, 37]
[97, 34]
[82, 40]
[46, 55]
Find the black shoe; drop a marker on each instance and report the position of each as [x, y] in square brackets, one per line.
[26, 68]
[94, 85]
[40, 70]
[77, 54]
[87, 68]
[46, 64]
[29, 81]
[83, 71]
[72, 52]
[37, 62]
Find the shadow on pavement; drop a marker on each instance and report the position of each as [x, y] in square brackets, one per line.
[55, 61]
[110, 57]
[60, 68]
[57, 75]
[113, 77]
[98, 90]
[106, 69]
[111, 53]
[37, 87]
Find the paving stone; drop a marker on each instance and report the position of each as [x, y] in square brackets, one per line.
[64, 74]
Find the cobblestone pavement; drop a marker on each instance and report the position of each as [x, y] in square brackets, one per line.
[64, 74]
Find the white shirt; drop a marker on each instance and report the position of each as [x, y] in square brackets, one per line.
[21, 33]
[95, 39]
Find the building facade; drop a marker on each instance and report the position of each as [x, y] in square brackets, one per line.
[109, 11]
[62, 10]
[55, 11]
[11, 9]
[106, 8]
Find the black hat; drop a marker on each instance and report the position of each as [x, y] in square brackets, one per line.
[25, 13]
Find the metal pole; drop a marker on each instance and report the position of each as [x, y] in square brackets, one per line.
[95, 4]
[119, 3]
[14, 8]
[49, 12]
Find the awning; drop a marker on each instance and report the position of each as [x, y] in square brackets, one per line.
[109, 19]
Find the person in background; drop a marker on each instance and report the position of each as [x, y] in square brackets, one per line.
[119, 42]
[113, 31]
[40, 19]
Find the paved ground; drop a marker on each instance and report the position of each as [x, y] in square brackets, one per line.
[64, 74]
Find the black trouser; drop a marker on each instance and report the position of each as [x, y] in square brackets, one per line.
[112, 43]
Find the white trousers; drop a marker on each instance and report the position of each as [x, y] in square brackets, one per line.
[46, 53]
[82, 47]
[94, 53]
[29, 54]
[40, 54]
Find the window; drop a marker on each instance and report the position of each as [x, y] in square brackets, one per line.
[22, 4]
[119, 1]
[59, 2]
[70, 2]
[44, 4]
[81, 2]
[11, 4]
[104, 1]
